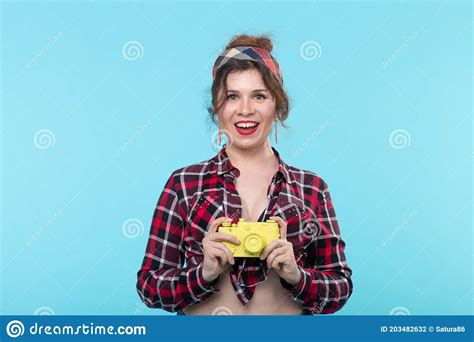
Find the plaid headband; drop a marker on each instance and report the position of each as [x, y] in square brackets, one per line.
[248, 53]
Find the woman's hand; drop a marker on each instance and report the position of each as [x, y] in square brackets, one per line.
[216, 255]
[280, 256]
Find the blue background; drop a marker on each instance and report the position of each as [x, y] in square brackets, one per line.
[325, 327]
[76, 212]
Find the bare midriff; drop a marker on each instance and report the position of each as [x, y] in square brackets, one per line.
[270, 298]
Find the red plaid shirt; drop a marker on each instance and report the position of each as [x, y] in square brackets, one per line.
[171, 278]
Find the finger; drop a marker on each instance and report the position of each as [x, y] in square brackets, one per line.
[217, 222]
[279, 260]
[219, 237]
[219, 255]
[276, 252]
[282, 225]
[220, 246]
[270, 247]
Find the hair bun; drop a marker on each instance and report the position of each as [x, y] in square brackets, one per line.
[262, 41]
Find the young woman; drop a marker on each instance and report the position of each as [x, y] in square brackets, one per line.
[187, 268]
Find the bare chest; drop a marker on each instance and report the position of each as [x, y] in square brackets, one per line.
[253, 191]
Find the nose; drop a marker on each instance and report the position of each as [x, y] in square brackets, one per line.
[245, 107]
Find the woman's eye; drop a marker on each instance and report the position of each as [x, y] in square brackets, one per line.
[257, 96]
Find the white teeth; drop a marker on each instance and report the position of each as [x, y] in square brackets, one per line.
[246, 124]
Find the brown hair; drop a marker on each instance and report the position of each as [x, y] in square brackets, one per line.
[219, 86]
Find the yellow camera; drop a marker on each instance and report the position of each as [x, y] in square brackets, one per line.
[253, 236]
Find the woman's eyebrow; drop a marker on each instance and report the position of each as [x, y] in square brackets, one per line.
[253, 91]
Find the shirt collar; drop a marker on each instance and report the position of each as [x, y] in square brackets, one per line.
[224, 165]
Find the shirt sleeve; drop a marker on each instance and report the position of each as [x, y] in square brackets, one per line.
[325, 284]
[163, 281]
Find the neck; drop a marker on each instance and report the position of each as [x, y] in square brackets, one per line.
[255, 158]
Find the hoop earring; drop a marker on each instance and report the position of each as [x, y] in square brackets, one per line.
[276, 132]
[219, 137]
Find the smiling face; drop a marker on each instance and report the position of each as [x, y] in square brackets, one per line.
[249, 109]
